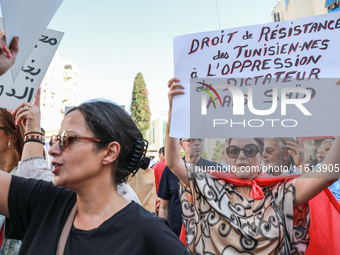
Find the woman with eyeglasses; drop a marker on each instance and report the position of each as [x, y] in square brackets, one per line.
[242, 212]
[97, 147]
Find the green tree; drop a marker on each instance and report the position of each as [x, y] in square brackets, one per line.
[140, 110]
[204, 155]
[217, 151]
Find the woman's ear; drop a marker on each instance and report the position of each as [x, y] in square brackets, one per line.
[111, 153]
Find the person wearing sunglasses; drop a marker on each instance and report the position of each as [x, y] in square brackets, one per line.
[97, 147]
[34, 153]
[241, 157]
[241, 211]
[283, 156]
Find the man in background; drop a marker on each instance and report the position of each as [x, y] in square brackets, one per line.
[281, 155]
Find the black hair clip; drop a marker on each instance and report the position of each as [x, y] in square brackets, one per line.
[138, 159]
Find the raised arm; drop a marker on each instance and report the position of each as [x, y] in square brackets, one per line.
[5, 181]
[33, 164]
[29, 115]
[173, 154]
[310, 184]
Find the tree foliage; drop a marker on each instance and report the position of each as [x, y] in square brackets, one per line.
[140, 110]
[204, 155]
[217, 151]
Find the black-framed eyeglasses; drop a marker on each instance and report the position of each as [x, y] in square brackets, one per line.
[192, 140]
[64, 138]
[4, 128]
[250, 150]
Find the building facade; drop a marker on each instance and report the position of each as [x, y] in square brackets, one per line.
[59, 89]
[156, 134]
[294, 9]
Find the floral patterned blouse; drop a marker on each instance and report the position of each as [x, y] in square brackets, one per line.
[219, 220]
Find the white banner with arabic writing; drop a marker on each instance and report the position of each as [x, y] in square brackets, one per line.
[24, 89]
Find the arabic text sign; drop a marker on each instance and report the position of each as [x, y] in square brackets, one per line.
[301, 49]
[24, 89]
[28, 20]
[265, 108]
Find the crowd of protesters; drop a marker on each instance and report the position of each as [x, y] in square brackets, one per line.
[85, 206]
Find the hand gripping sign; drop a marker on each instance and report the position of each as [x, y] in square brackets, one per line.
[300, 50]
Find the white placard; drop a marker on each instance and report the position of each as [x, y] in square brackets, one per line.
[298, 48]
[28, 20]
[24, 89]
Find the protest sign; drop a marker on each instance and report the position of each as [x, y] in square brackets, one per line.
[28, 20]
[24, 89]
[300, 49]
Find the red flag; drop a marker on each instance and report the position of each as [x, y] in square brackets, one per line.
[183, 236]
[324, 224]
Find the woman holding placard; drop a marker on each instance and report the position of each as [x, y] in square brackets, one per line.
[245, 212]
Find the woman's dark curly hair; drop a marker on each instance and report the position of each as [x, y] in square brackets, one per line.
[110, 122]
